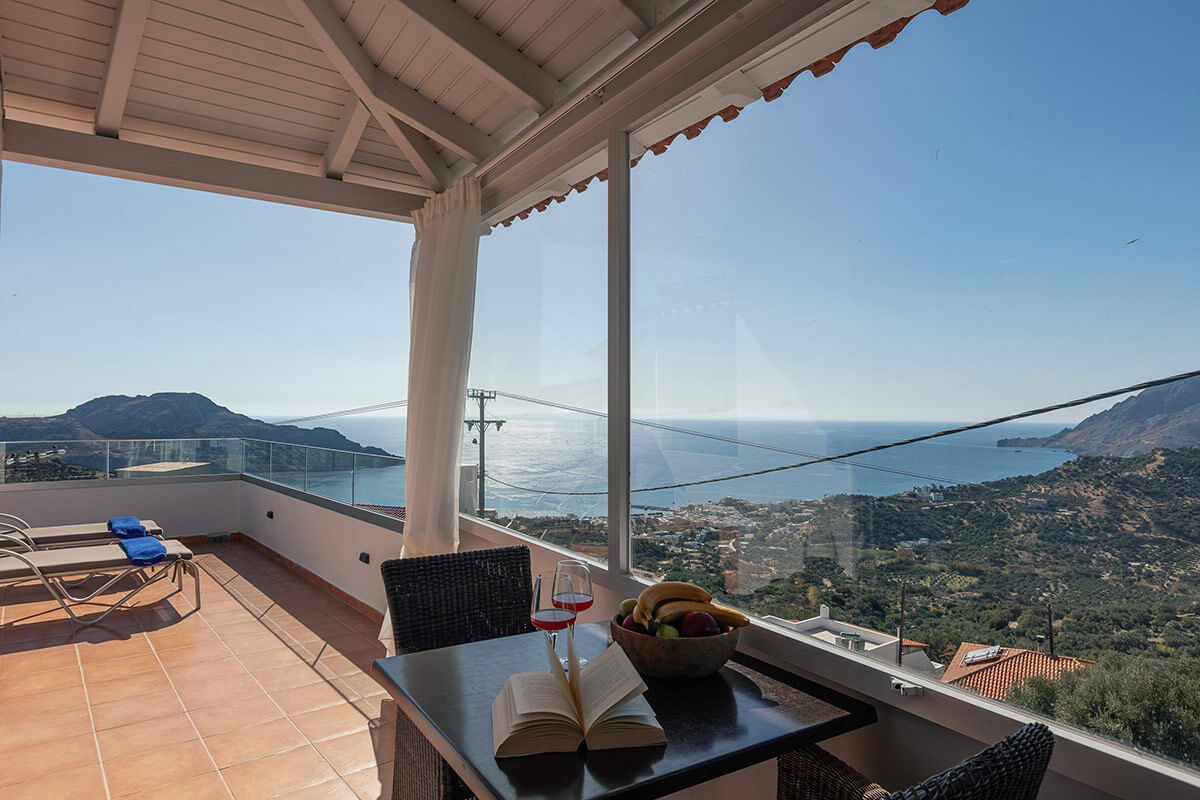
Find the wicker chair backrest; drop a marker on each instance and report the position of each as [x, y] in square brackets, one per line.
[444, 600]
[1011, 769]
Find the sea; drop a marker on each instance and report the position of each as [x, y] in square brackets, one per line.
[553, 465]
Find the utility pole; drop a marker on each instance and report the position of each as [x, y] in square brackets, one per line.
[482, 396]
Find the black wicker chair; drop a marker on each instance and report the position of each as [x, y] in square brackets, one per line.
[1011, 769]
[439, 601]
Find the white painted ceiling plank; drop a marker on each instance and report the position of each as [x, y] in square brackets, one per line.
[340, 46]
[118, 70]
[467, 37]
[624, 16]
[345, 139]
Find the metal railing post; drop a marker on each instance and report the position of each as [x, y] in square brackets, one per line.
[107, 458]
[353, 476]
[306, 469]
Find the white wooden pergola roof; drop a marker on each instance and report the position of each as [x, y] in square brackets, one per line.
[370, 106]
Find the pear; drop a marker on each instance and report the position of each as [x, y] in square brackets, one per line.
[627, 606]
[667, 631]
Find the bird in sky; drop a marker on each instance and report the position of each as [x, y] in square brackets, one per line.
[1131, 241]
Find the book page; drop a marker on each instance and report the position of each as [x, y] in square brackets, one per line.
[573, 678]
[536, 693]
[606, 682]
[630, 724]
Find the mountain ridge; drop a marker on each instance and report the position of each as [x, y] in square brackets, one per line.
[166, 415]
[1160, 417]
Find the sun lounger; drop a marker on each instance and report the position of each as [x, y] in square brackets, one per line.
[51, 567]
[16, 533]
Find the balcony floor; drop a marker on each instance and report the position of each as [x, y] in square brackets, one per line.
[262, 693]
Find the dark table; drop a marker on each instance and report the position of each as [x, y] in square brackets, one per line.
[746, 713]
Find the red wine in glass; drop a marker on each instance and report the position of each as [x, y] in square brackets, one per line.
[577, 600]
[552, 619]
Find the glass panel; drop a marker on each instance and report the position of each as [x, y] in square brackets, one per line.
[330, 474]
[163, 458]
[25, 462]
[289, 464]
[379, 483]
[541, 345]
[258, 458]
[941, 247]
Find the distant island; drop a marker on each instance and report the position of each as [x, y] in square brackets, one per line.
[1161, 417]
[166, 415]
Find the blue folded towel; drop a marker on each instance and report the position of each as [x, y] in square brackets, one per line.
[143, 551]
[123, 522]
[128, 531]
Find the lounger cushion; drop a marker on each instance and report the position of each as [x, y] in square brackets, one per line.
[78, 560]
[51, 535]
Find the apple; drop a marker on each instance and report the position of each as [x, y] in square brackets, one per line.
[666, 631]
[699, 623]
[629, 623]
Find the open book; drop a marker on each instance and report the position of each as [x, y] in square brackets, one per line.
[553, 712]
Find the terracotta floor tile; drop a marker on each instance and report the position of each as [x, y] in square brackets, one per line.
[192, 674]
[95, 652]
[127, 712]
[255, 642]
[64, 698]
[141, 736]
[330, 790]
[210, 786]
[375, 707]
[127, 688]
[364, 685]
[289, 677]
[30, 659]
[331, 722]
[194, 654]
[358, 751]
[19, 682]
[161, 765]
[374, 783]
[339, 665]
[193, 636]
[258, 741]
[120, 667]
[272, 659]
[222, 690]
[222, 719]
[37, 628]
[21, 764]
[275, 775]
[16, 731]
[80, 783]
[313, 696]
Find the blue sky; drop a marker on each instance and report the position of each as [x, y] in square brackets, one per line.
[935, 230]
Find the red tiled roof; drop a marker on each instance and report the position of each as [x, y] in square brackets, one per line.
[913, 643]
[391, 511]
[818, 68]
[996, 677]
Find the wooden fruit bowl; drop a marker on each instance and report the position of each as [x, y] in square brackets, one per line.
[675, 659]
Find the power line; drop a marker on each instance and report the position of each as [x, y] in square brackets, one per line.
[347, 412]
[913, 440]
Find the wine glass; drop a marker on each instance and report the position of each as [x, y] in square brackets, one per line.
[581, 598]
[548, 614]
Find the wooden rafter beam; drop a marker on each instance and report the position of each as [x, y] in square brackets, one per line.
[624, 14]
[414, 114]
[118, 69]
[101, 155]
[346, 137]
[471, 40]
[431, 119]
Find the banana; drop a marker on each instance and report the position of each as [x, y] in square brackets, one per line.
[653, 596]
[673, 611]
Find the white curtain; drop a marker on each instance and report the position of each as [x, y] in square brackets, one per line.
[442, 306]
